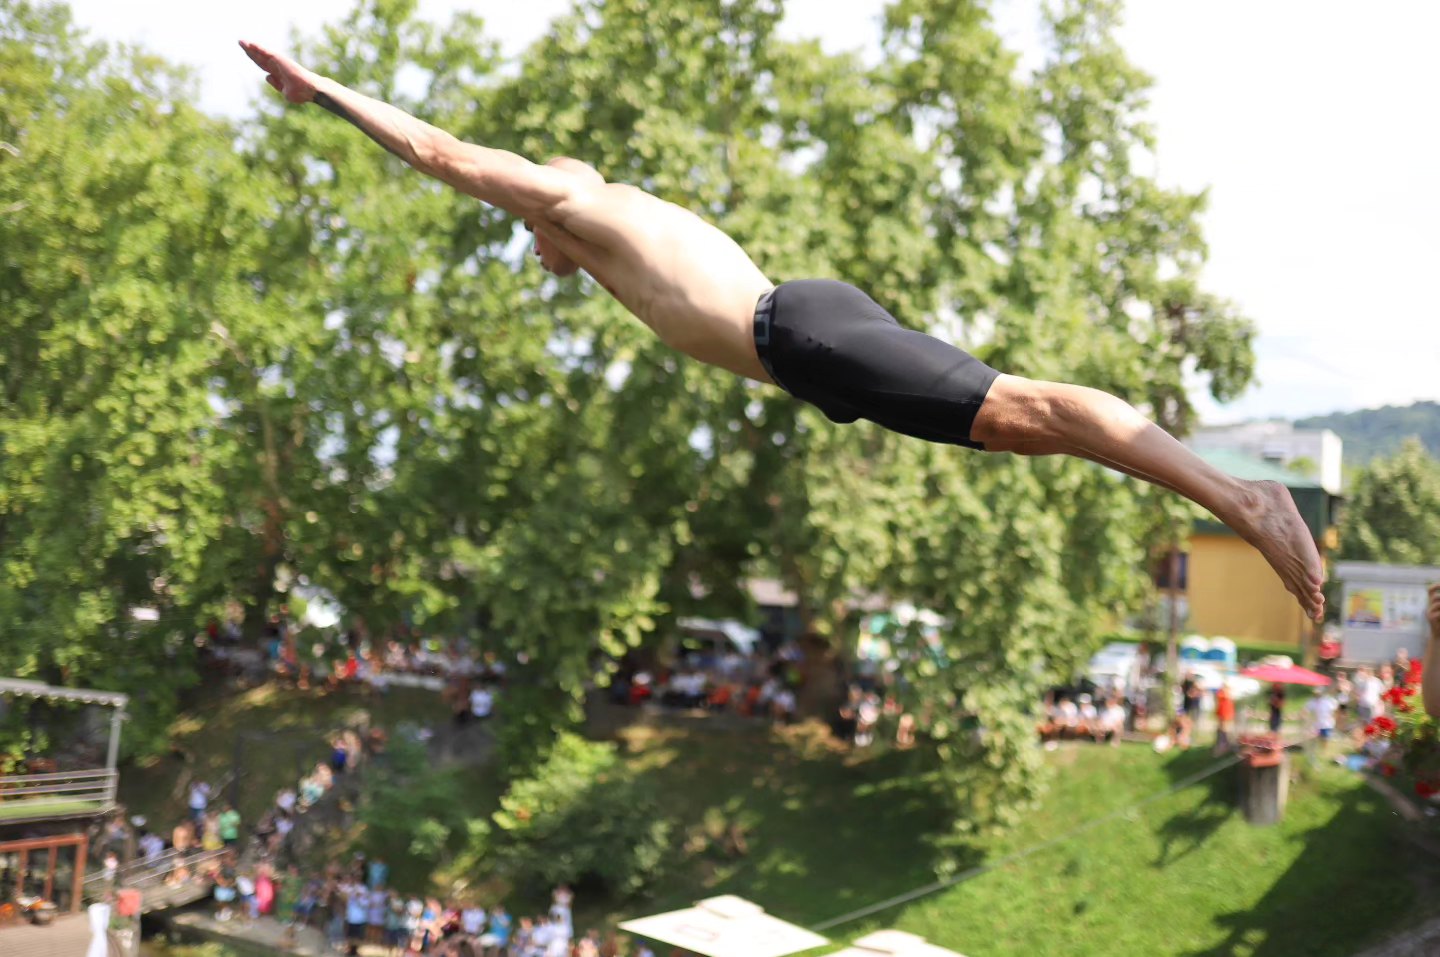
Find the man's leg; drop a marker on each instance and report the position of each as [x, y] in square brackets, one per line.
[1022, 413]
[1055, 448]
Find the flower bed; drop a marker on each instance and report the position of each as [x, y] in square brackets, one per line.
[1412, 736]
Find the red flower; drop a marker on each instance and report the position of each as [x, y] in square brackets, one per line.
[1387, 770]
[1427, 788]
[1417, 668]
[1370, 730]
[1404, 707]
[1384, 724]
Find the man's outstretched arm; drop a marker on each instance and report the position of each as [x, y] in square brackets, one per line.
[498, 177]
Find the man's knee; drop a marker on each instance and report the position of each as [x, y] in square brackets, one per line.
[1018, 413]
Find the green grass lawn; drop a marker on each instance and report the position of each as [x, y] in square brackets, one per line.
[277, 735]
[829, 832]
[1185, 875]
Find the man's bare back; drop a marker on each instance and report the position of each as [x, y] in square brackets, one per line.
[685, 279]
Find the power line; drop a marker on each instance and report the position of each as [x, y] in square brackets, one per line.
[975, 872]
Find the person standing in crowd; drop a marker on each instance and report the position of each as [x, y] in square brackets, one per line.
[335, 909]
[292, 904]
[339, 756]
[210, 833]
[397, 935]
[1190, 692]
[199, 800]
[228, 825]
[496, 939]
[1368, 690]
[482, 702]
[183, 838]
[472, 919]
[357, 915]
[523, 943]
[1277, 707]
[1344, 702]
[1224, 718]
[415, 924]
[561, 933]
[1321, 709]
[264, 891]
[1400, 667]
[378, 907]
[246, 899]
[867, 715]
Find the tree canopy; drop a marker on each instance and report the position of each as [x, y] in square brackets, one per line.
[1393, 511]
[237, 358]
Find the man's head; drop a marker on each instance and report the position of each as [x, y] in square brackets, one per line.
[551, 257]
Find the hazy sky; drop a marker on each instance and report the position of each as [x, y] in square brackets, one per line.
[1313, 125]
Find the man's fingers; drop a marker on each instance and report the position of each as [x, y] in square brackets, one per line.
[263, 58]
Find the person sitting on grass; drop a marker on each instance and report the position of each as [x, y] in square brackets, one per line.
[1067, 717]
[1111, 723]
[1089, 717]
[823, 341]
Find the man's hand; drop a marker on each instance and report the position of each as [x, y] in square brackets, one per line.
[283, 73]
[1434, 615]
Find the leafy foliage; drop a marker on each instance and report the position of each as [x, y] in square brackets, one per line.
[413, 815]
[1393, 512]
[280, 357]
[584, 815]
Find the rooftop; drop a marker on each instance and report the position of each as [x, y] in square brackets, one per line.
[1243, 466]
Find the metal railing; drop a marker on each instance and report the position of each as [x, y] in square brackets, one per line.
[156, 878]
[29, 797]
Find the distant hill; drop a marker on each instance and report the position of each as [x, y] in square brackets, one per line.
[1374, 432]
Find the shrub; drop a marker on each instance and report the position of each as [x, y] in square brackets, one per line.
[582, 816]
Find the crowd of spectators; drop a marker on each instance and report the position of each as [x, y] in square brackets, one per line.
[207, 844]
[1077, 717]
[759, 684]
[1355, 700]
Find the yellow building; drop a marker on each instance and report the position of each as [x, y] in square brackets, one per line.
[1230, 589]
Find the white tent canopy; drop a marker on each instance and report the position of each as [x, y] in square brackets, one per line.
[726, 927]
[894, 943]
[741, 636]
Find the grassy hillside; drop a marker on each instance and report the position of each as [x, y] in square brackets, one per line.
[829, 833]
[1369, 433]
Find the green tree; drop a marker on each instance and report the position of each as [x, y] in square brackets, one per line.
[1000, 211]
[126, 223]
[375, 395]
[1393, 512]
[581, 815]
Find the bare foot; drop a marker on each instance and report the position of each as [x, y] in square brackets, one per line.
[1270, 521]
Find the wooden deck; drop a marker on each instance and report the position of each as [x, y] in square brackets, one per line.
[68, 936]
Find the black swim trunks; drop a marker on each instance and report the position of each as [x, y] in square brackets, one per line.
[828, 343]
